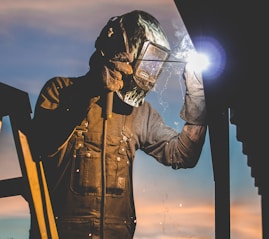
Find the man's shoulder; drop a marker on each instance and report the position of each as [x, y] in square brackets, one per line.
[146, 104]
[145, 107]
[60, 82]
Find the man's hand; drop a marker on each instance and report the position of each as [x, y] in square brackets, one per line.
[194, 108]
[113, 71]
[193, 81]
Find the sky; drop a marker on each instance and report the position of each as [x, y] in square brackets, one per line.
[42, 39]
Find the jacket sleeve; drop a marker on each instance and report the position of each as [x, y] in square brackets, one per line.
[169, 147]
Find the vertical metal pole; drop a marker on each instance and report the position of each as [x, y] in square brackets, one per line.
[107, 114]
[219, 141]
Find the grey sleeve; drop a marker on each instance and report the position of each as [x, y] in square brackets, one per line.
[169, 147]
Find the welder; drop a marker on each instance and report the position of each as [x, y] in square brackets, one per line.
[87, 139]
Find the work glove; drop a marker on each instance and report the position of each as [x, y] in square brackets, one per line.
[111, 71]
[194, 108]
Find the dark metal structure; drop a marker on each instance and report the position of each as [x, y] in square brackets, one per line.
[237, 96]
[32, 185]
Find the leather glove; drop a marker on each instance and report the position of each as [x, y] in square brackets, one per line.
[108, 73]
[112, 71]
[194, 108]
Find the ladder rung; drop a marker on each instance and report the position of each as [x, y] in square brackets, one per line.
[12, 187]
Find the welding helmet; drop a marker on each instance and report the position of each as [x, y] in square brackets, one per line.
[140, 35]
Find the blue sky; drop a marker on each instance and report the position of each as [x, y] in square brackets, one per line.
[43, 39]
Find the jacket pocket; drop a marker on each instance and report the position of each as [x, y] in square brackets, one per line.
[86, 172]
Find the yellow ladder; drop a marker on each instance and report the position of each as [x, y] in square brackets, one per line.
[15, 104]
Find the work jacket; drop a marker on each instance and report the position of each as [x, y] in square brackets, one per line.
[88, 160]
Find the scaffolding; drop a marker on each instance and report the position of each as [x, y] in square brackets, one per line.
[15, 104]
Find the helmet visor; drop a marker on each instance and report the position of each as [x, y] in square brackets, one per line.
[147, 69]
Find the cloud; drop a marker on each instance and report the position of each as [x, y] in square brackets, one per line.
[13, 207]
[9, 162]
[60, 16]
[245, 221]
[165, 221]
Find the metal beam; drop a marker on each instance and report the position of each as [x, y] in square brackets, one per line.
[16, 105]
